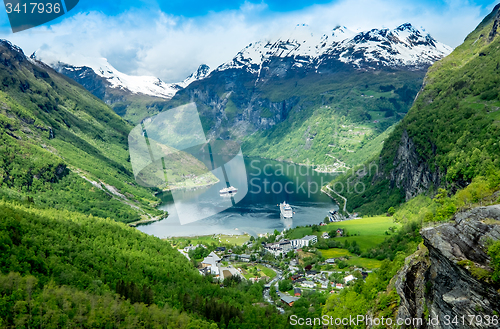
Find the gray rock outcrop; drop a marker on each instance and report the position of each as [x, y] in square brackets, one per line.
[441, 281]
[412, 173]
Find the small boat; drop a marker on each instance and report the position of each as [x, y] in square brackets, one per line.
[228, 190]
[286, 210]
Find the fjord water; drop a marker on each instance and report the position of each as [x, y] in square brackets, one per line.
[269, 183]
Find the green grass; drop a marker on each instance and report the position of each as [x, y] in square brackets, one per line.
[299, 232]
[335, 253]
[264, 271]
[353, 260]
[366, 226]
[369, 232]
[366, 263]
[366, 242]
[181, 242]
[267, 271]
[235, 239]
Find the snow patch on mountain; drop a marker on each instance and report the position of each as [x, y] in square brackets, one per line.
[147, 85]
[202, 72]
[402, 46]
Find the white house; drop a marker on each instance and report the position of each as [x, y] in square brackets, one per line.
[309, 240]
[212, 261]
[308, 284]
[188, 248]
[305, 241]
[349, 278]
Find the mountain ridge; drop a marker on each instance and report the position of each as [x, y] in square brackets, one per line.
[449, 137]
[363, 49]
[132, 97]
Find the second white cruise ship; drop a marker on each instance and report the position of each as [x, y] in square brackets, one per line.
[286, 210]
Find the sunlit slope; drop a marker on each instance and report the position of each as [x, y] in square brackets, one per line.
[53, 133]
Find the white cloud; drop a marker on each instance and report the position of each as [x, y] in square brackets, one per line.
[147, 42]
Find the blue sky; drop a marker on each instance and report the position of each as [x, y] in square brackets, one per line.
[193, 8]
[169, 39]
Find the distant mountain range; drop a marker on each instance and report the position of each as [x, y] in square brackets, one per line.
[404, 46]
[132, 97]
[98, 75]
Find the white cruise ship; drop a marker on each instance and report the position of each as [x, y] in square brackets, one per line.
[228, 190]
[286, 210]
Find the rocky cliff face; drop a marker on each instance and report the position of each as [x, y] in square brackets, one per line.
[412, 173]
[445, 279]
[230, 106]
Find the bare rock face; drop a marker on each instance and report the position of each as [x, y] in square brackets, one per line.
[442, 281]
[496, 23]
[409, 283]
[239, 111]
[411, 172]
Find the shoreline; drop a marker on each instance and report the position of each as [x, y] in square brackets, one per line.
[147, 221]
[186, 187]
[204, 236]
[314, 167]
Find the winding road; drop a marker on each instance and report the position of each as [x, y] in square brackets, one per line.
[340, 196]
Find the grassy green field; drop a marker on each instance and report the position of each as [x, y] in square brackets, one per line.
[352, 260]
[366, 226]
[335, 253]
[366, 263]
[369, 231]
[299, 232]
[267, 271]
[365, 242]
[251, 268]
[234, 239]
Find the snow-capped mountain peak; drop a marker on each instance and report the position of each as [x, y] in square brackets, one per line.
[147, 85]
[341, 33]
[404, 45]
[202, 72]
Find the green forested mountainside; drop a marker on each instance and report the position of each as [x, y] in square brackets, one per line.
[53, 133]
[313, 117]
[336, 117]
[454, 124]
[136, 107]
[64, 269]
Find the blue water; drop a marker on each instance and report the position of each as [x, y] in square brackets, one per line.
[268, 182]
